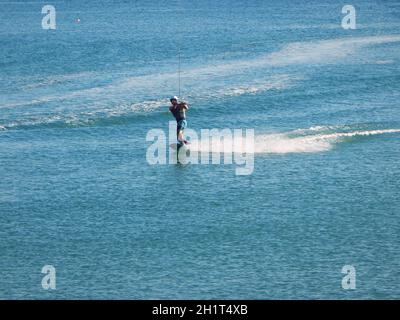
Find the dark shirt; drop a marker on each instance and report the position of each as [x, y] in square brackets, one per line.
[179, 112]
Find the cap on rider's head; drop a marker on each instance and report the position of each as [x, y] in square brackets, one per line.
[174, 98]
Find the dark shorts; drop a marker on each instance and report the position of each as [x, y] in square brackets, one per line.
[181, 125]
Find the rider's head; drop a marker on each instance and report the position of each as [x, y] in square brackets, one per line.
[174, 100]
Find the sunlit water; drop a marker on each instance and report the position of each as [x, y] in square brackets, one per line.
[77, 192]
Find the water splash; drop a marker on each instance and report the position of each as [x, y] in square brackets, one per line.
[309, 140]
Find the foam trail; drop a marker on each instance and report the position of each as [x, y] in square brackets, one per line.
[278, 82]
[56, 79]
[321, 51]
[308, 52]
[100, 113]
[284, 143]
[281, 144]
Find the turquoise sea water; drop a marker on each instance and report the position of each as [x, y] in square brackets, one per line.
[76, 191]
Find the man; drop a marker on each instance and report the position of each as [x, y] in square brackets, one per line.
[179, 112]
